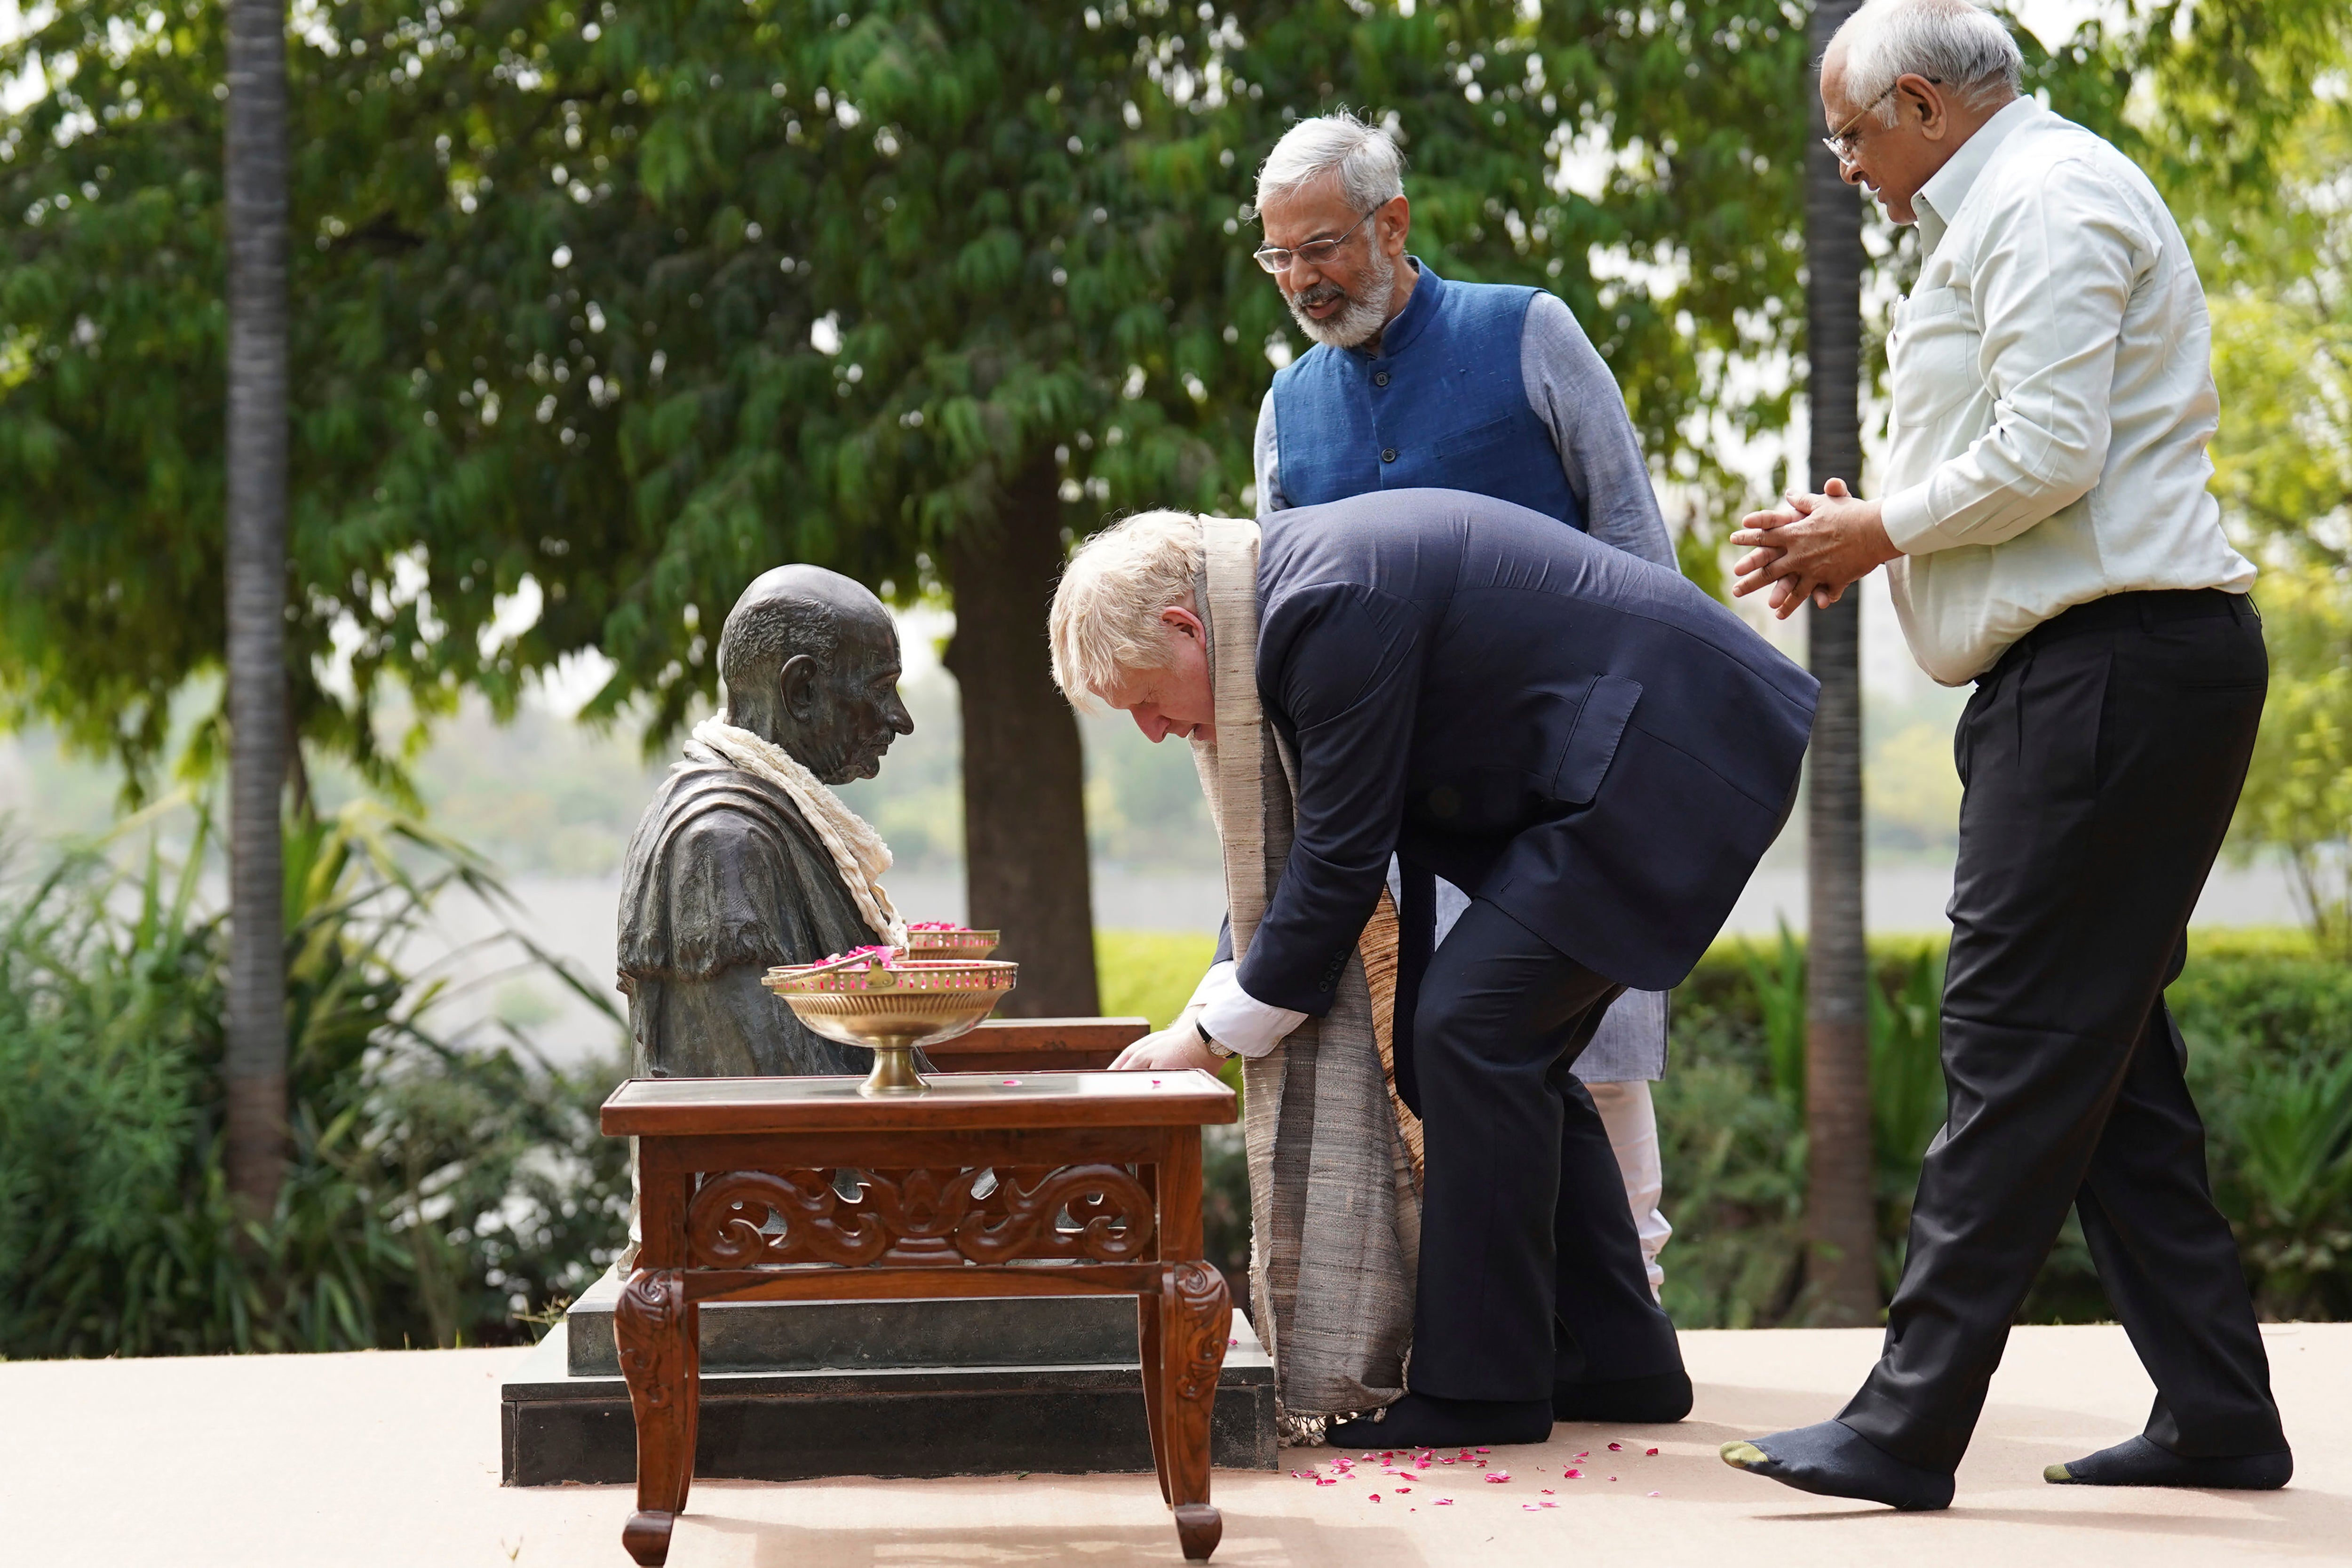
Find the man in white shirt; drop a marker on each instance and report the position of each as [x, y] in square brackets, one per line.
[2049, 536]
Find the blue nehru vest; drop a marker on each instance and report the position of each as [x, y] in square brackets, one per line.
[1442, 405]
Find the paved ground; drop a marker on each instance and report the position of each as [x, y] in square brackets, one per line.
[391, 1459]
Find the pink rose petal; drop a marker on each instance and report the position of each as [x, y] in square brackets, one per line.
[1615, 1447]
[1498, 1477]
[1654, 1494]
[1572, 1475]
[1651, 1452]
[1376, 1496]
[1442, 1502]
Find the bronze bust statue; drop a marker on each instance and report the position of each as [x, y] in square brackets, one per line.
[746, 859]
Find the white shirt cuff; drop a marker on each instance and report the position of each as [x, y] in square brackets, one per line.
[1910, 525]
[1237, 1020]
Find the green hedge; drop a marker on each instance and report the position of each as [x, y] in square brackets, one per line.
[439, 1191]
[2269, 1026]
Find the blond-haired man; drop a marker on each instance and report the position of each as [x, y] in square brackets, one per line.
[1595, 750]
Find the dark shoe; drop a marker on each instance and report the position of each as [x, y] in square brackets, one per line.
[1426, 1421]
[1656, 1400]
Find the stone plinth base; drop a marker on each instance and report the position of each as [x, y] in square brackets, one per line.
[792, 1391]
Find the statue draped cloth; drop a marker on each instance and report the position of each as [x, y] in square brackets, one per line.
[1334, 1154]
[725, 876]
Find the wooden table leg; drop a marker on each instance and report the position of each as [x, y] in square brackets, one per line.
[1155, 1403]
[1196, 1316]
[655, 1329]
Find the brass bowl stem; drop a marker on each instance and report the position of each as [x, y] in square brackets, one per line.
[893, 1071]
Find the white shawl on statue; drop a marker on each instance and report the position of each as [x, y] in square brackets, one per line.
[1335, 1205]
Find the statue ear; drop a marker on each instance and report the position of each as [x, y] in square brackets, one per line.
[796, 683]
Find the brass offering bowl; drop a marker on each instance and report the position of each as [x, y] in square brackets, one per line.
[951, 945]
[891, 1009]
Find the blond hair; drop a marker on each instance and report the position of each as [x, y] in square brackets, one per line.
[1106, 617]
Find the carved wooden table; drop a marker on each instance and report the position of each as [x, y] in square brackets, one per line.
[1047, 1185]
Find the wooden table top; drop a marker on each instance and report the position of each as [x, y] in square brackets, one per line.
[694, 1107]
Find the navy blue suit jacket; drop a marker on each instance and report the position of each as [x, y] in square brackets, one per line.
[1588, 740]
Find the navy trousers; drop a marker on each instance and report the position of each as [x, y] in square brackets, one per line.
[2101, 760]
[1530, 1268]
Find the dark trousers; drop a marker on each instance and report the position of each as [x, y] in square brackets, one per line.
[1531, 1270]
[2100, 758]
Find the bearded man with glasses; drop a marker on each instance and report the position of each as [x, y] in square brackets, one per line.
[1415, 384]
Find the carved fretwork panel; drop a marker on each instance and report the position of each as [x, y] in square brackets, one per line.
[744, 1219]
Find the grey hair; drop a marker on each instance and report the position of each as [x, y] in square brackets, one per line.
[1957, 42]
[1370, 169]
[1106, 617]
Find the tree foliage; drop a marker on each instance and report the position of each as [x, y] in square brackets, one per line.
[598, 310]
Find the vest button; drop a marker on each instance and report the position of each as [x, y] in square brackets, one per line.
[1380, 378]
[1389, 455]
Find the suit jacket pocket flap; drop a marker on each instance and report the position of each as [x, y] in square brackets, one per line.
[1593, 744]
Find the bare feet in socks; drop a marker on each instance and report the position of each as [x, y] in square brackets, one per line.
[2137, 1462]
[1834, 1460]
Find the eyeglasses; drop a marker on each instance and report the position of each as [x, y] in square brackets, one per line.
[1315, 252]
[1846, 142]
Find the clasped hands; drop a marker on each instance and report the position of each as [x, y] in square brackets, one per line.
[1811, 546]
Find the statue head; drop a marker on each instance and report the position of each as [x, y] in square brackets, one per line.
[809, 661]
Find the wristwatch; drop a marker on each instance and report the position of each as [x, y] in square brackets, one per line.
[1209, 1040]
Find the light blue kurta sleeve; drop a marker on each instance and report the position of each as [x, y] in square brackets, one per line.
[1266, 455]
[1572, 394]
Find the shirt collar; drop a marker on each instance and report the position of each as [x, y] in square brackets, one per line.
[1419, 307]
[1939, 201]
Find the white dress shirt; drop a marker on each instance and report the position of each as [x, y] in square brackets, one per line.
[2053, 396]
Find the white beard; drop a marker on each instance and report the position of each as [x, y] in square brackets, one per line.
[1366, 313]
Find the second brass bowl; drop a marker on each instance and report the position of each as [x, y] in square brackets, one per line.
[951, 945]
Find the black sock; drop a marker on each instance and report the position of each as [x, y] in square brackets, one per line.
[1427, 1420]
[1834, 1460]
[1655, 1400]
[2137, 1462]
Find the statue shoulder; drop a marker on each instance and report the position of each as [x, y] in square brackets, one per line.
[710, 878]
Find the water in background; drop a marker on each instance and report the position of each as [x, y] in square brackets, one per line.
[551, 804]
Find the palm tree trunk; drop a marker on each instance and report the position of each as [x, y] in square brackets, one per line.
[1840, 1228]
[1025, 822]
[259, 734]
